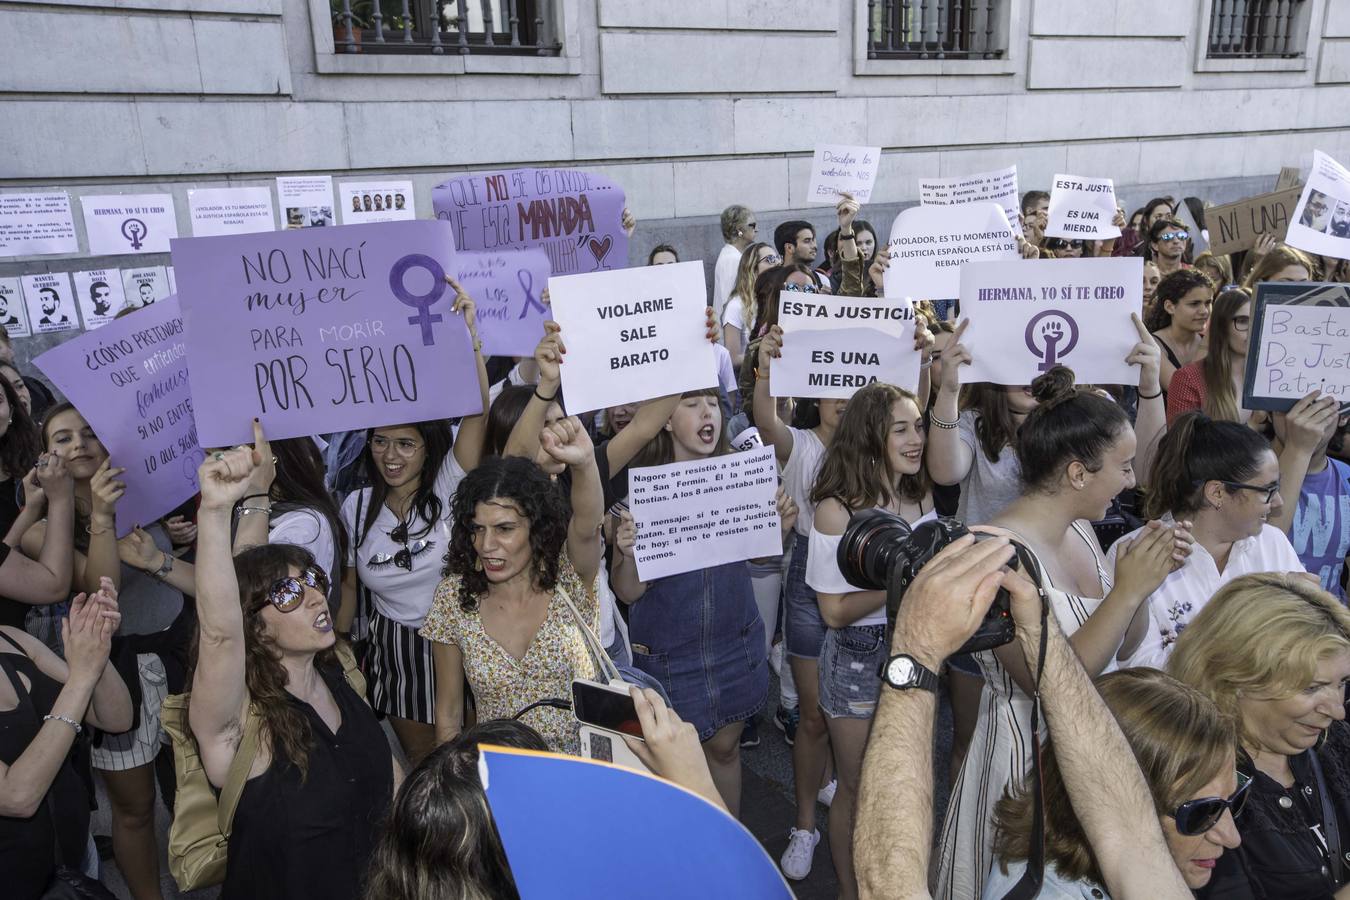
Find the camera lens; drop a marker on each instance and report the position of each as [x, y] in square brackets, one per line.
[871, 540]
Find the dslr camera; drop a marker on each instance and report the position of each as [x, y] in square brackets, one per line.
[880, 551]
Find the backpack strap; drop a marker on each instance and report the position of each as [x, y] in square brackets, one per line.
[237, 778]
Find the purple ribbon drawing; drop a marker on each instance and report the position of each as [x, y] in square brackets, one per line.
[134, 230]
[526, 279]
[421, 302]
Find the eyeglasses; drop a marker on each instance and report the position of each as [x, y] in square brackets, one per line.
[1195, 817]
[1174, 236]
[1270, 490]
[772, 259]
[801, 288]
[286, 594]
[1242, 323]
[404, 447]
[751, 224]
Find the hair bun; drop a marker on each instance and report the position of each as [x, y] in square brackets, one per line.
[1054, 386]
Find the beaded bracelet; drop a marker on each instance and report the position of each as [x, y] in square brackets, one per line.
[67, 719]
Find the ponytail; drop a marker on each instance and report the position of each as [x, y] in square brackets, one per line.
[1197, 449]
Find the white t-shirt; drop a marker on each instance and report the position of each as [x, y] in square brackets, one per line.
[400, 594]
[1185, 592]
[309, 529]
[823, 575]
[726, 369]
[733, 314]
[724, 277]
[799, 474]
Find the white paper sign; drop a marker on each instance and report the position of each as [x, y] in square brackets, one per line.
[1030, 315]
[144, 286]
[633, 334]
[1303, 349]
[51, 305]
[307, 201]
[173, 285]
[997, 187]
[236, 210]
[841, 169]
[130, 223]
[832, 346]
[376, 201]
[99, 295]
[1082, 208]
[1322, 218]
[930, 244]
[13, 315]
[37, 224]
[705, 512]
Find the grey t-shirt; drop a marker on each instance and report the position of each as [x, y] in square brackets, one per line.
[989, 486]
[148, 605]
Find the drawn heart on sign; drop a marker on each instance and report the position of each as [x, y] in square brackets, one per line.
[600, 249]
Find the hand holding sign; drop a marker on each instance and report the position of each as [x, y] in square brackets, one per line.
[105, 490]
[846, 210]
[1309, 422]
[265, 472]
[953, 358]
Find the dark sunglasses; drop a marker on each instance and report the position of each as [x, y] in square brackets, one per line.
[287, 594]
[1174, 235]
[1195, 817]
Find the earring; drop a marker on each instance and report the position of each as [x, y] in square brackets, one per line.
[477, 564]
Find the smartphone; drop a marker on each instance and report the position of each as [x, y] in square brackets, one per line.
[602, 706]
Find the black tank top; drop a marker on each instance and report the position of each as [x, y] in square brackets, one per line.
[313, 839]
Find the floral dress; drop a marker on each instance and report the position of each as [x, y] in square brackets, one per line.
[503, 685]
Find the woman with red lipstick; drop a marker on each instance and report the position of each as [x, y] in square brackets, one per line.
[1273, 651]
[1178, 317]
[1185, 747]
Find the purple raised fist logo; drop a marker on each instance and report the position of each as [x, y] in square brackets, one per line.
[1051, 336]
[421, 302]
[134, 230]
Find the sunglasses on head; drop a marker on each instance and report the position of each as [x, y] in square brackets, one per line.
[1195, 817]
[288, 593]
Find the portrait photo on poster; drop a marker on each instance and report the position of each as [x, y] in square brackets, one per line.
[99, 295]
[51, 302]
[13, 314]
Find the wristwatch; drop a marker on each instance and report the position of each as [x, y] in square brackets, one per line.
[903, 672]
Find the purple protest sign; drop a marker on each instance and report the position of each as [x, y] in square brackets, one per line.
[507, 287]
[309, 330]
[573, 216]
[129, 380]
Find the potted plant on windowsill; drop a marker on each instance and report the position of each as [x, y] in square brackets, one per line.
[358, 12]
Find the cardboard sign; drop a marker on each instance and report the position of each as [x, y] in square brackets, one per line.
[999, 187]
[506, 285]
[574, 216]
[832, 346]
[13, 313]
[930, 244]
[1237, 226]
[51, 302]
[238, 210]
[307, 201]
[310, 330]
[130, 382]
[37, 224]
[368, 202]
[1300, 343]
[681, 846]
[1290, 177]
[633, 334]
[1028, 316]
[1321, 223]
[99, 295]
[705, 512]
[130, 223]
[1082, 208]
[839, 169]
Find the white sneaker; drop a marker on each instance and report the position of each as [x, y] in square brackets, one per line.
[826, 794]
[801, 849]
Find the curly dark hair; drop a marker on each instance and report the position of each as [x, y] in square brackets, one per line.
[522, 483]
[21, 443]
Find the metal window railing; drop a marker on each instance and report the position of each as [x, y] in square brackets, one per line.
[936, 29]
[1249, 29]
[502, 27]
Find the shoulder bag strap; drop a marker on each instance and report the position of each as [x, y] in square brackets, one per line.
[237, 777]
[1330, 822]
[608, 670]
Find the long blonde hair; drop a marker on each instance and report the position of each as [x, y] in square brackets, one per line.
[1261, 635]
[1221, 398]
[745, 286]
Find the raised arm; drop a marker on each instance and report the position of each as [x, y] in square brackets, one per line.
[949, 458]
[1308, 423]
[468, 447]
[252, 529]
[567, 442]
[548, 356]
[772, 430]
[1150, 421]
[44, 577]
[102, 560]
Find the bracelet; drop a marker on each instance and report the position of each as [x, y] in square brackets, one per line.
[477, 345]
[67, 719]
[847, 237]
[542, 397]
[164, 568]
[250, 510]
[938, 423]
[1151, 396]
[89, 530]
[245, 499]
[926, 364]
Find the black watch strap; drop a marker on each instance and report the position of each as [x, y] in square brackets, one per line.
[910, 674]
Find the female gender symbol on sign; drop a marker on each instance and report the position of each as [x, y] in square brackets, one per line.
[1054, 327]
[421, 302]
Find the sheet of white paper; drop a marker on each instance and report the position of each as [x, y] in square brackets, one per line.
[362, 202]
[841, 169]
[832, 346]
[706, 512]
[129, 223]
[99, 295]
[13, 314]
[1303, 349]
[235, 210]
[173, 285]
[999, 187]
[1082, 208]
[307, 201]
[633, 334]
[146, 285]
[1027, 316]
[37, 224]
[930, 244]
[50, 302]
[1322, 218]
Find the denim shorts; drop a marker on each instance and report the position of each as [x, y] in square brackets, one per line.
[803, 628]
[850, 671]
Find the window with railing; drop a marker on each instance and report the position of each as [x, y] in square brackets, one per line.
[936, 29]
[1254, 29]
[503, 27]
